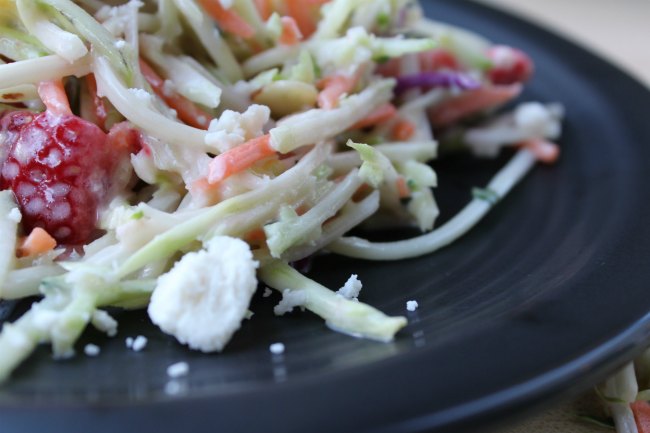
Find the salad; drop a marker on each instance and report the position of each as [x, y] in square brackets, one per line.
[177, 155]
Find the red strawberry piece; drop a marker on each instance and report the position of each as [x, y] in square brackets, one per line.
[60, 169]
[509, 65]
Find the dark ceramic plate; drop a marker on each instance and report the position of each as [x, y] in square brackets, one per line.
[545, 297]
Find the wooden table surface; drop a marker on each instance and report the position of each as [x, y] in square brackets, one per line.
[618, 30]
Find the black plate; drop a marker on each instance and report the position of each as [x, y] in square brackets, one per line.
[545, 297]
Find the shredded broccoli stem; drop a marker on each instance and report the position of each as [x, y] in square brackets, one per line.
[501, 184]
[340, 314]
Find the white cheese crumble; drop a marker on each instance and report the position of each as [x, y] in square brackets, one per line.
[129, 342]
[232, 128]
[120, 44]
[139, 343]
[177, 370]
[412, 305]
[267, 292]
[104, 322]
[276, 348]
[141, 94]
[351, 288]
[91, 350]
[290, 300]
[204, 298]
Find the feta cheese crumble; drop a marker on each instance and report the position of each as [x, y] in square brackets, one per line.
[104, 322]
[139, 343]
[290, 300]
[129, 342]
[204, 298]
[351, 288]
[178, 370]
[412, 305]
[91, 350]
[276, 348]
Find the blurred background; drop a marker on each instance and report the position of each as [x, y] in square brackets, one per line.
[618, 30]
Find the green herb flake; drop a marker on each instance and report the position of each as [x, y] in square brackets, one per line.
[486, 194]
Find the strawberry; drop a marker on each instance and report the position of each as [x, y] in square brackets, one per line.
[509, 65]
[61, 170]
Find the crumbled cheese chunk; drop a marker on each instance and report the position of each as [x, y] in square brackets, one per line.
[204, 298]
[141, 94]
[276, 348]
[177, 370]
[232, 128]
[351, 288]
[129, 342]
[104, 322]
[412, 305]
[267, 292]
[139, 343]
[91, 350]
[290, 300]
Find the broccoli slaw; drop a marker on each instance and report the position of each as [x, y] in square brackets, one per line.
[174, 155]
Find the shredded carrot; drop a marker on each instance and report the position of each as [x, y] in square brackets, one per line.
[227, 19]
[472, 102]
[403, 130]
[544, 150]
[53, 95]
[361, 193]
[187, 111]
[264, 8]
[402, 188]
[334, 87]
[240, 158]
[98, 103]
[304, 16]
[38, 242]
[641, 411]
[290, 32]
[256, 236]
[382, 114]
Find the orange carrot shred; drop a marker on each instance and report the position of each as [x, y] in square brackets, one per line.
[334, 87]
[472, 102]
[264, 8]
[403, 130]
[240, 158]
[641, 411]
[227, 19]
[544, 150]
[38, 242]
[53, 95]
[303, 16]
[382, 114]
[402, 188]
[98, 103]
[290, 32]
[186, 110]
[256, 236]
